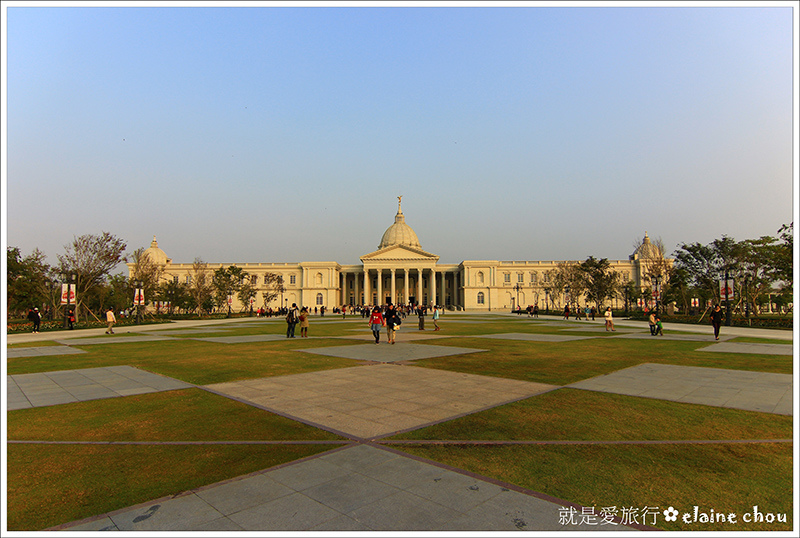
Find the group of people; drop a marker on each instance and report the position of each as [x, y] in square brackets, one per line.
[588, 311]
[390, 317]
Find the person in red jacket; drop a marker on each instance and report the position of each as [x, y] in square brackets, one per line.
[376, 322]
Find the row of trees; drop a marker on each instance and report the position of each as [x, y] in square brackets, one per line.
[87, 263]
[760, 271]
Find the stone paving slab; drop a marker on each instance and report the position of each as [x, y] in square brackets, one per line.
[41, 351]
[400, 336]
[69, 386]
[597, 328]
[359, 488]
[385, 352]
[675, 337]
[245, 339]
[181, 332]
[112, 340]
[758, 349]
[371, 401]
[737, 389]
[533, 337]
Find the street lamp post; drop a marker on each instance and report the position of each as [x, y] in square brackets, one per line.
[69, 280]
[230, 300]
[727, 302]
[566, 295]
[517, 288]
[658, 292]
[137, 297]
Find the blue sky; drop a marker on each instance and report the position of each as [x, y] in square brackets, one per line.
[283, 134]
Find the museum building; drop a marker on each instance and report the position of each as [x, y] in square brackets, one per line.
[402, 272]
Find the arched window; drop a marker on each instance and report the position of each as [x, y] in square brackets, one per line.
[479, 276]
[318, 279]
[480, 298]
[319, 299]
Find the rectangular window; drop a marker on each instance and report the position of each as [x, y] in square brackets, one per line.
[175, 279]
[188, 279]
[507, 278]
[292, 279]
[520, 278]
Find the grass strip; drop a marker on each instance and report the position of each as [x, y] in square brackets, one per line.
[196, 362]
[50, 485]
[728, 478]
[562, 363]
[171, 416]
[572, 414]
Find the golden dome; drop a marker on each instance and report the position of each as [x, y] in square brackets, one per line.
[156, 255]
[399, 233]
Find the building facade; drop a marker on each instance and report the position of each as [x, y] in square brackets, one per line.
[401, 272]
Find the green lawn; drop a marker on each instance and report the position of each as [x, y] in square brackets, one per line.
[51, 484]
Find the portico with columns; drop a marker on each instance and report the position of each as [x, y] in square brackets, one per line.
[402, 273]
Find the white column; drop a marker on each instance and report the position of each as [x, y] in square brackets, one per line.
[367, 296]
[355, 289]
[444, 289]
[433, 286]
[419, 286]
[405, 286]
[394, 289]
[380, 286]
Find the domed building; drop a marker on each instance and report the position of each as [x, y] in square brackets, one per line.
[156, 255]
[401, 272]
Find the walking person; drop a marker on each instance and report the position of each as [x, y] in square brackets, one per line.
[376, 323]
[421, 314]
[392, 322]
[436, 318]
[36, 318]
[659, 327]
[609, 319]
[304, 323]
[652, 322]
[566, 312]
[111, 320]
[716, 320]
[536, 311]
[587, 311]
[292, 318]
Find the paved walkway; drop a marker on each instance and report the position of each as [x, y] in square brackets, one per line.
[753, 391]
[358, 488]
[370, 401]
[365, 486]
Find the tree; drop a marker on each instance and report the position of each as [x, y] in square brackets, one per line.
[274, 286]
[601, 281]
[146, 271]
[229, 280]
[29, 281]
[91, 258]
[200, 287]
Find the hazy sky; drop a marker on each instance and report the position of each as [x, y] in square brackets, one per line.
[284, 134]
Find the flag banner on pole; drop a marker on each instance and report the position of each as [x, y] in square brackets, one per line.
[67, 293]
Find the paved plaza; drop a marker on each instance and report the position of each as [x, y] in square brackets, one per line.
[364, 485]
[370, 401]
[737, 389]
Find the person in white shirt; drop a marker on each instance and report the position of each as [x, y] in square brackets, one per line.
[609, 319]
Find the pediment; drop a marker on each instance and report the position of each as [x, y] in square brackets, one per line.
[399, 252]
